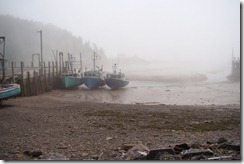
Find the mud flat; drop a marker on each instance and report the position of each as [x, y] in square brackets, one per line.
[156, 92]
[85, 130]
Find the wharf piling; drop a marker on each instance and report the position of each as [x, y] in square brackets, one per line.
[31, 80]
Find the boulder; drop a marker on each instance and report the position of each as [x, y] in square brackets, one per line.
[154, 154]
[36, 153]
[138, 152]
[221, 140]
[195, 152]
[181, 147]
[228, 146]
[127, 146]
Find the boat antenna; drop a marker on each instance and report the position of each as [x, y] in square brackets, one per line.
[118, 56]
[74, 46]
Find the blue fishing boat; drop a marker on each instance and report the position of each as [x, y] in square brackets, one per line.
[94, 79]
[6, 90]
[9, 90]
[116, 79]
[70, 80]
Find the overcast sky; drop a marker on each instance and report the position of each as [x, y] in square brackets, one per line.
[165, 29]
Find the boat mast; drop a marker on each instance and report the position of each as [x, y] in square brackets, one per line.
[94, 60]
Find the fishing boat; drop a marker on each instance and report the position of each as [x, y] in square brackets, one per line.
[71, 79]
[9, 90]
[94, 79]
[116, 79]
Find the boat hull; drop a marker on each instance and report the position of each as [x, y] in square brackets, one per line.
[9, 90]
[93, 82]
[116, 83]
[70, 81]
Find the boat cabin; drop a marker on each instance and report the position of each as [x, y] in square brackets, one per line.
[70, 74]
[93, 74]
[115, 75]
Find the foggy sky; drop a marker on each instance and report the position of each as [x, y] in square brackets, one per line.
[201, 30]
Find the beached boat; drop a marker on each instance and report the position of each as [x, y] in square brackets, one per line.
[116, 79]
[9, 90]
[70, 80]
[94, 79]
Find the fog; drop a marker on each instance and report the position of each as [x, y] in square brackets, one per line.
[165, 35]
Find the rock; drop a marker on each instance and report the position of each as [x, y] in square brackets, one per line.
[155, 154]
[95, 157]
[54, 156]
[221, 158]
[181, 147]
[228, 146]
[27, 152]
[109, 138]
[138, 152]
[164, 156]
[84, 154]
[221, 140]
[195, 146]
[127, 146]
[36, 153]
[199, 157]
[195, 152]
[137, 155]
[210, 142]
[62, 146]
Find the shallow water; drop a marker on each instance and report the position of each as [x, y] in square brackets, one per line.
[152, 93]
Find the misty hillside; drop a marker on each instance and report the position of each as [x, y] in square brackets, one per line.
[22, 40]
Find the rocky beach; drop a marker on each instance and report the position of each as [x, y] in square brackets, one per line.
[62, 124]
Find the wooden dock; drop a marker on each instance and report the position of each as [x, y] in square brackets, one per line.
[31, 79]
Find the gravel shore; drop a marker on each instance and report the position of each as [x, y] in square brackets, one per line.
[84, 130]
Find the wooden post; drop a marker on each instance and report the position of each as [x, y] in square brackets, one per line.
[12, 65]
[56, 63]
[41, 82]
[28, 84]
[49, 73]
[34, 83]
[60, 67]
[45, 77]
[53, 74]
[37, 84]
[22, 79]
[44, 67]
